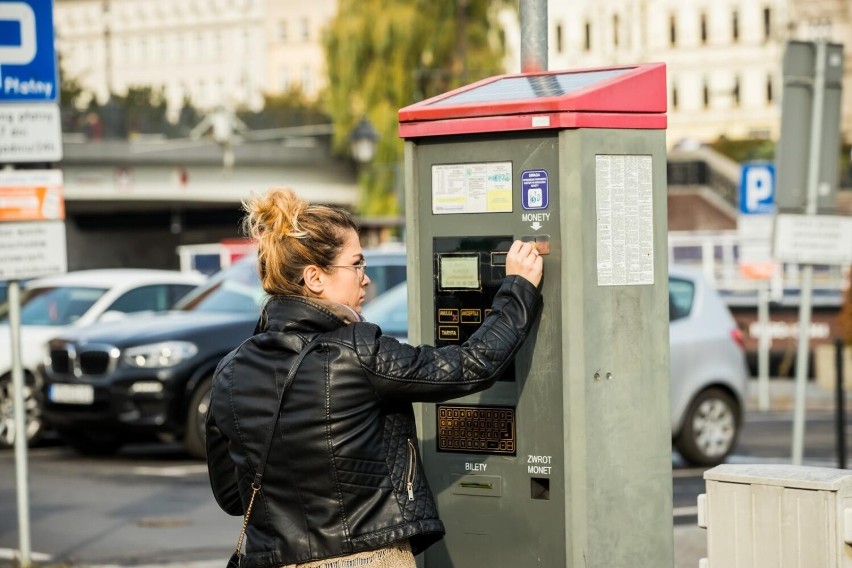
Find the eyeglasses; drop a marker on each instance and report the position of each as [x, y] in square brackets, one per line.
[360, 267]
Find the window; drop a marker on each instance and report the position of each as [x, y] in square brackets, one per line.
[674, 97]
[735, 94]
[735, 26]
[145, 298]
[681, 296]
[672, 30]
[60, 305]
[770, 96]
[587, 38]
[615, 30]
[767, 24]
[283, 79]
[282, 30]
[306, 29]
[307, 75]
[558, 38]
[705, 91]
[703, 29]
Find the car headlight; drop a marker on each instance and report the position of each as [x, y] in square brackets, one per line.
[159, 355]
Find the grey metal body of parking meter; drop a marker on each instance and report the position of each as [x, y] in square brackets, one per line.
[566, 461]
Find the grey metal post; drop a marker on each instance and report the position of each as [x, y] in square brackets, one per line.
[803, 352]
[533, 35]
[764, 342]
[20, 424]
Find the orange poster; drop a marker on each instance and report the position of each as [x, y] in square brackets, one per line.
[31, 196]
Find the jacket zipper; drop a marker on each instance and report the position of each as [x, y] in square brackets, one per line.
[412, 462]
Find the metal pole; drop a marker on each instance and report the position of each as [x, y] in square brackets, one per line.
[533, 35]
[808, 269]
[841, 404]
[764, 342]
[20, 424]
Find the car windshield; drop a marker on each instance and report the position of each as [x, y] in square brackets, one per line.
[54, 306]
[235, 289]
[390, 311]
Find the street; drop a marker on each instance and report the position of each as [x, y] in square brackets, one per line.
[151, 504]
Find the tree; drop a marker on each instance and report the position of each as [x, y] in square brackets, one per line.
[291, 108]
[383, 55]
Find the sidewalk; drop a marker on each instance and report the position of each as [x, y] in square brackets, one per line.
[782, 395]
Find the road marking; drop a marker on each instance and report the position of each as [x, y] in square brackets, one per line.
[177, 471]
[13, 554]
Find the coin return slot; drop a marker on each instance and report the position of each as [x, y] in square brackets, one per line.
[540, 488]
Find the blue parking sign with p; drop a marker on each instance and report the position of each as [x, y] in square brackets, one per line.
[27, 56]
[757, 189]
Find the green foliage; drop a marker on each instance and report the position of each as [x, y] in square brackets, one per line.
[383, 55]
[745, 150]
[292, 108]
[144, 110]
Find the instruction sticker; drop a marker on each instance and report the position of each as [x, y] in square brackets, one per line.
[472, 188]
[625, 220]
[534, 189]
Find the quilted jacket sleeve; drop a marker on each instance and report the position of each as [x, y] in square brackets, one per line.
[425, 373]
[221, 468]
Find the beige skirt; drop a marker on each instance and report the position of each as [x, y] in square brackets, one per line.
[396, 555]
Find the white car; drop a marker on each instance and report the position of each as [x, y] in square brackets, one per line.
[54, 304]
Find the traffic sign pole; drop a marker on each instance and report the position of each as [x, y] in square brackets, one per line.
[754, 225]
[20, 425]
[802, 356]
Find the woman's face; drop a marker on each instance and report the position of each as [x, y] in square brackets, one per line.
[347, 278]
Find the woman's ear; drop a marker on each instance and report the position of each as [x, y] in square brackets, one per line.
[314, 278]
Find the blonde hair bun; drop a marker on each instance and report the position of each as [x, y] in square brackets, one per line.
[275, 214]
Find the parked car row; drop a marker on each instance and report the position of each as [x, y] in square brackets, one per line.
[55, 304]
[112, 383]
[708, 372]
[109, 378]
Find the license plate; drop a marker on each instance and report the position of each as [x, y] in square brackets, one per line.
[71, 394]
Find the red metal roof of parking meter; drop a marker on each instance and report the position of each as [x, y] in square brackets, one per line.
[629, 96]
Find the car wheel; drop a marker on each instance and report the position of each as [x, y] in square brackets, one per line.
[32, 408]
[195, 441]
[92, 443]
[710, 428]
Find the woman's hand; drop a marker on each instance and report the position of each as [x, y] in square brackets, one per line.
[523, 259]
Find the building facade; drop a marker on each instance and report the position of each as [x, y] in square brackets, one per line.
[211, 52]
[723, 58]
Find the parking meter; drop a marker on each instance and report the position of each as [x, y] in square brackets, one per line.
[566, 461]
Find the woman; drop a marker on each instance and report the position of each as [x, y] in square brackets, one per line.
[343, 484]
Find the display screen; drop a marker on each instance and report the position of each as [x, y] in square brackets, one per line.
[459, 272]
[530, 87]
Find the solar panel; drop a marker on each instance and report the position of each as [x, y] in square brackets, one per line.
[530, 87]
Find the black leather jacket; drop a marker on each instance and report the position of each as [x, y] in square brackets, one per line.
[344, 473]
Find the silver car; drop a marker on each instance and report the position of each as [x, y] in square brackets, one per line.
[709, 375]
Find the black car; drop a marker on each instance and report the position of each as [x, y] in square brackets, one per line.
[112, 383]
